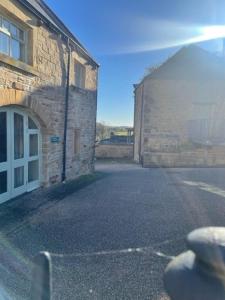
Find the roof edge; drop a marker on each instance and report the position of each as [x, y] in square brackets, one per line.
[70, 35]
[167, 60]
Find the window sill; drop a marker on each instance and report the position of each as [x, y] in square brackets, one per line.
[18, 64]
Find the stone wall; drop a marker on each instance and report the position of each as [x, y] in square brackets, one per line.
[182, 107]
[138, 121]
[38, 86]
[114, 151]
[214, 157]
[169, 106]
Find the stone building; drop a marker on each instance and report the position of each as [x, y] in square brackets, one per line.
[180, 112]
[48, 97]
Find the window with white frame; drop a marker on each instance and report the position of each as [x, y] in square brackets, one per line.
[80, 74]
[12, 39]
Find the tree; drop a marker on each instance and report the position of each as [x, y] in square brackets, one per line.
[102, 131]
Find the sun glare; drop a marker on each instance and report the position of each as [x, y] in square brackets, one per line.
[213, 32]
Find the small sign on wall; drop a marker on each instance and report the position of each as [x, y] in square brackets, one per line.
[55, 139]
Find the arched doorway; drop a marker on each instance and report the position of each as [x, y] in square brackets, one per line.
[20, 153]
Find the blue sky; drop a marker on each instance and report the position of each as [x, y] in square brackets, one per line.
[127, 36]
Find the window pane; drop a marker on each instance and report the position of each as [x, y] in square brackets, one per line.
[3, 182]
[21, 35]
[33, 141]
[31, 124]
[22, 52]
[18, 136]
[3, 137]
[4, 43]
[33, 170]
[16, 51]
[5, 24]
[14, 30]
[18, 177]
[12, 43]
[79, 75]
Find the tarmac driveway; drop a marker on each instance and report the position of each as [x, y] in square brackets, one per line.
[113, 238]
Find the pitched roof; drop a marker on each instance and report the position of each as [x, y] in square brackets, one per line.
[190, 63]
[44, 11]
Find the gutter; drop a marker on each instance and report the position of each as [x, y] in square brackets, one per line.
[44, 20]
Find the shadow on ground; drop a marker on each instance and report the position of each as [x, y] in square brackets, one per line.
[115, 236]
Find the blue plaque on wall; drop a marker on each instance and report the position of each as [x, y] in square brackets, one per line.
[55, 139]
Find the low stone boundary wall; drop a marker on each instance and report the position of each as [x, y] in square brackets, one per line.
[199, 158]
[114, 151]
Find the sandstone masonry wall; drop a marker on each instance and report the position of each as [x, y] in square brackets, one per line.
[114, 151]
[168, 107]
[138, 107]
[38, 86]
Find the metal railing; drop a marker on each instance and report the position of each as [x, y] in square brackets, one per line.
[198, 274]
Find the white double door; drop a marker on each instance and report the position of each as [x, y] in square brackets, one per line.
[19, 153]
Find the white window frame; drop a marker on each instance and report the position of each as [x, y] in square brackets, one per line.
[17, 38]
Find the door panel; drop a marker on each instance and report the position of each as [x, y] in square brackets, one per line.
[31, 124]
[19, 153]
[33, 144]
[3, 137]
[3, 182]
[19, 160]
[33, 160]
[33, 170]
[18, 136]
[19, 177]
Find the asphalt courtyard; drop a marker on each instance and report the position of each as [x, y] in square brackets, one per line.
[113, 238]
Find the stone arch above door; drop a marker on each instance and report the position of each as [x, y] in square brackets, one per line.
[25, 99]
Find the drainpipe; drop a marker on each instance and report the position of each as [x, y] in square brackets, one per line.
[96, 97]
[66, 111]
